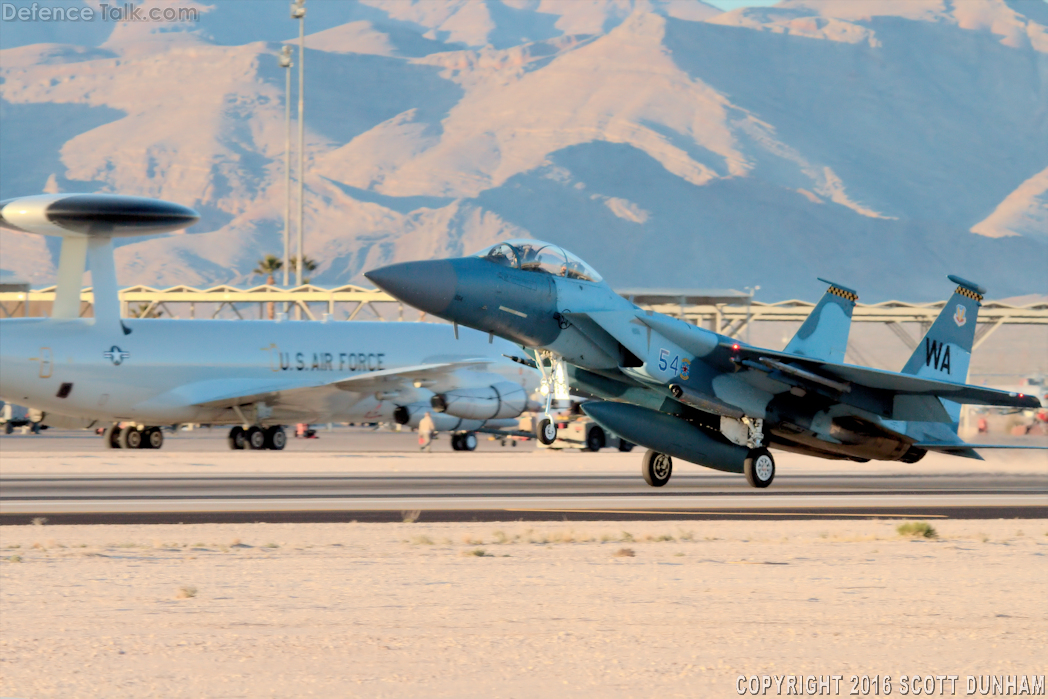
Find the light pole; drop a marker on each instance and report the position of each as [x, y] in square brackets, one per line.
[285, 63]
[749, 303]
[298, 11]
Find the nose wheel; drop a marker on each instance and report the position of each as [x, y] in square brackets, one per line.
[546, 431]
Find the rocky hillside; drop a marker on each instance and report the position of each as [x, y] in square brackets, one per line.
[880, 144]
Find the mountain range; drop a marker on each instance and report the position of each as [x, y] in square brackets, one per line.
[879, 143]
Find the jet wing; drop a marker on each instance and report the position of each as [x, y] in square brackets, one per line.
[877, 379]
[227, 393]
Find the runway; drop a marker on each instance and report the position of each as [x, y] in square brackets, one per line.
[380, 481]
[495, 497]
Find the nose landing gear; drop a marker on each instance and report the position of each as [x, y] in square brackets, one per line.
[546, 430]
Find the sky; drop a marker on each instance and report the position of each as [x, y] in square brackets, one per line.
[727, 5]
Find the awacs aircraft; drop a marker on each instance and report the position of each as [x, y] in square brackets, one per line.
[253, 375]
[689, 393]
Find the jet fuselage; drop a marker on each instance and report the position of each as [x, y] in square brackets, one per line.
[156, 370]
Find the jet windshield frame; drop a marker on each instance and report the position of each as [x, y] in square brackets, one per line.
[538, 256]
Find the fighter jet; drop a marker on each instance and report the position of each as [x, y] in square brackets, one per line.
[689, 393]
[255, 376]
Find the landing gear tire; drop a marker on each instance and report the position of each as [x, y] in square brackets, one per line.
[595, 440]
[468, 441]
[237, 438]
[130, 438]
[153, 438]
[546, 432]
[111, 437]
[656, 468]
[255, 438]
[625, 446]
[759, 468]
[456, 442]
[275, 438]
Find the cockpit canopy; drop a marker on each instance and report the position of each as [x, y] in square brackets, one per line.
[536, 256]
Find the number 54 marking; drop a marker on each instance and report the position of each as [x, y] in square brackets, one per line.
[679, 367]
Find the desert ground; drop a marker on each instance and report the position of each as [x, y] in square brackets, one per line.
[511, 610]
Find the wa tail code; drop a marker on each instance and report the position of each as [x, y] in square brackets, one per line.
[937, 355]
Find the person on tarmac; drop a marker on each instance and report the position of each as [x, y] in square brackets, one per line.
[426, 430]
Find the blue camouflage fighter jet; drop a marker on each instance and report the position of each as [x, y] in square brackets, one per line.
[685, 392]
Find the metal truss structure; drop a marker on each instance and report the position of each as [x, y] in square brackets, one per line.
[725, 311]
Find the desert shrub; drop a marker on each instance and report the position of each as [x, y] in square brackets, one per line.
[917, 530]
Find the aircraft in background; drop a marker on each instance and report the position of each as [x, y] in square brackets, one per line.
[253, 375]
[686, 392]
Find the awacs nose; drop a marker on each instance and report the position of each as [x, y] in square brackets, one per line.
[427, 285]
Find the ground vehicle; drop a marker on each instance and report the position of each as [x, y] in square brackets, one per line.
[575, 430]
[12, 416]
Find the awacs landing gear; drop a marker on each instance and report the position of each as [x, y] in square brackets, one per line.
[131, 437]
[464, 441]
[257, 438]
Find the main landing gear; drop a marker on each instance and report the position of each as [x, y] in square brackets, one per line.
[257, 438]
[656, 468]
[131, 437]
[759, 468]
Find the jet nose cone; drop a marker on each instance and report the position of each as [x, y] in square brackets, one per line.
[427, 285]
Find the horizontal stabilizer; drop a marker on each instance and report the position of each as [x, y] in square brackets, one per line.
[888, 381]
[948, 447]
[968, 451]
[963, 450]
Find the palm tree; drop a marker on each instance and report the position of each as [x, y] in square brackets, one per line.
[267, 268]
[308, 265]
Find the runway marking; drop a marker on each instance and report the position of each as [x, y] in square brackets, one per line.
[756, 513]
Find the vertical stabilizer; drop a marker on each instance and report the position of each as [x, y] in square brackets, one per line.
[824, 334]
[946, 350]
